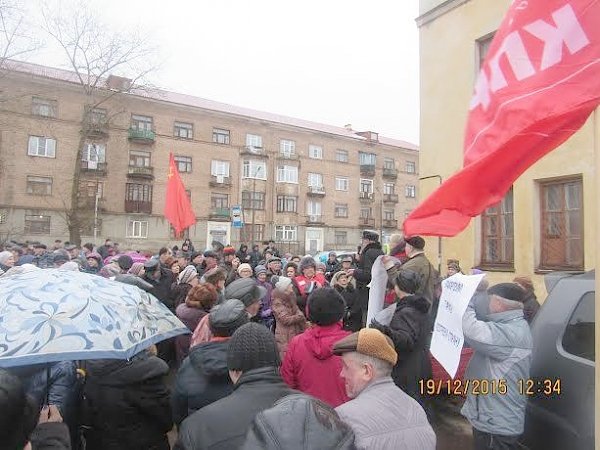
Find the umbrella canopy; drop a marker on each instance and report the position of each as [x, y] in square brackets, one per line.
[49, 315]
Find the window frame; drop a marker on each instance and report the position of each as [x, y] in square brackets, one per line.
[588, 297]
[337, 234]
[33, 181]
[179, 126]
[38, 103]
[139, 119]
[186, 161]
[315, 151]
[286, 233]
[339, 208]
[219, 164]
[251, 141]
[366, 181]
[285, 174]
[287, 147]
[143, 226]
[410, 191]
[146, 156]
[249, 164]
[499, 213]
[221, 136]
[339, 181]
[100, 152]
[410, 167]
[253, 200]
[40, 219]
[37, 146]
[389, 163]
[342, 156]
[287, 204]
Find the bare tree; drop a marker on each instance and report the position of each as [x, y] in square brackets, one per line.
[15, 40]
[95, 52]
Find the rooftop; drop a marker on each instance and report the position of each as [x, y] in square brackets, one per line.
[211, 105]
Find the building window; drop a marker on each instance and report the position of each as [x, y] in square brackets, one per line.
[388, 214]
[41, 146]
[286, 233]
[562, 224]
[341, 238]
[94, 153]
[313, 208]
[389, 188]
[315, 152]
[366, 185]
[183, 130]
[367, 159]
[138, 192]
[219, 200]
[255, 169]
[389, 163]
[220, 136]
[37, 224]
[498, 233]
[39, 185]
[342, 184]
[365, 213]
[578, 338]
[254, 140]
[98, 116]
[410, 167]
[137, 229]
[251, 233]
[141, 123]
[253, 200]
[43, 107]
[315, 179]
[341, 210]
[89, 188]
[287, 203]
[184, 164]
[410, 191]
[482, 47]
[287, 174]
[341, 156]
[219, 168]
[287, 147]
[138, 158]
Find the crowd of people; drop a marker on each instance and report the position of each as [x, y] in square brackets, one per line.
[278, 351]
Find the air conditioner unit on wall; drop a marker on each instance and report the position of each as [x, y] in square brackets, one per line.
[220, 179]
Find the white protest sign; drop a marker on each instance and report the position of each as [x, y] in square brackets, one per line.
[377, 287]
[447, 340]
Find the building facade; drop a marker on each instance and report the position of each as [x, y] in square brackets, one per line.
[308, 186]
[547, 220]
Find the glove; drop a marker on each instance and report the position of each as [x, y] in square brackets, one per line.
[377, 326]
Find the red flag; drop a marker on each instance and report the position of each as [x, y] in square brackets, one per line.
[538, 85]
[178, 208]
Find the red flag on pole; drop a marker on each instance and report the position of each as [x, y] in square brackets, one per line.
[178, 208]
[538, 85]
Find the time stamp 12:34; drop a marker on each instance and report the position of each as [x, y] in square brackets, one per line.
[484, 386]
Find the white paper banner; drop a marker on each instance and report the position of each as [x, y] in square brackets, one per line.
[447, 340]
[377, 287]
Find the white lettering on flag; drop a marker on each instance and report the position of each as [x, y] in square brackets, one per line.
[447, 340]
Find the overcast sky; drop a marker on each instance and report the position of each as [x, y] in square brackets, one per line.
[331, 61]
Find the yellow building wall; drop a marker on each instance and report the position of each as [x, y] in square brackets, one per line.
[448, 65]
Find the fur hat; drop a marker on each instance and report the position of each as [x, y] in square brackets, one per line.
[283, 283]
[325, 306]
[370, 342]
[228, 251]
[252, 346]
[417, 242]
[306, 262]
[509, 291]
[227, 317]
[125, 262]
[4, 256]
[187, 275]
[370, 235]
[407, 281]
[214, 275]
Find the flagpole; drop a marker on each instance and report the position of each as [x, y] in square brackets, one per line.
[596, 138]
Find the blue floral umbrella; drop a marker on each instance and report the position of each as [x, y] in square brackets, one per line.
[49, 315]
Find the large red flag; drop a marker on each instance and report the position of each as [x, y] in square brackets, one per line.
[538, 85]
[178, 208]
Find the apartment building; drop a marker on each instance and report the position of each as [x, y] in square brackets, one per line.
[308, 186]
[547, 220]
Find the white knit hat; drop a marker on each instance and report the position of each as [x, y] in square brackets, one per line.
[283, 283]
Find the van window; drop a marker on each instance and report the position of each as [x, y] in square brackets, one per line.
[579, 334]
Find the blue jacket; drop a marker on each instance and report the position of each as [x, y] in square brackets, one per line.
[502, 351]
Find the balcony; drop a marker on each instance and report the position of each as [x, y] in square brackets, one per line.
[366, 222]
[94, 167]
[390, 172]
[142, 136]
[89, 203]
[222, 214]
[141, 172]
[315, 219]
[316, 191]
[288, 156]
[220, 181]
[254, 151]
[367, 169]
[137, 206]
[390, 223]
[390, 198]
[96, 129]
[366, 196]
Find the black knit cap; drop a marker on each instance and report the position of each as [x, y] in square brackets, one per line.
[326, 306]
[408, 281]
[227, 317]
[509, 291]
[252, 346]
[125, 262]
[416, 242]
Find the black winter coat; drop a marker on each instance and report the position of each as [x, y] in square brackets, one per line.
[222, 425]
[409, 329]
[50, 436]
[352, 316]
[202, 379]
[362, 274]
[127, 404]
[162, 288]
[179, 292]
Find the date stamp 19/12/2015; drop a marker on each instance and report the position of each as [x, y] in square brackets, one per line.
[488, 387]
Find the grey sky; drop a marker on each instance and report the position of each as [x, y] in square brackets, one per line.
[335, 62]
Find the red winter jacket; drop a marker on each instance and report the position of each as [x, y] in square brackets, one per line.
[311, 367]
